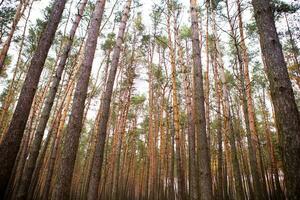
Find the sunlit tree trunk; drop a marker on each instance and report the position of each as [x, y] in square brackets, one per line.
[178, 155]
[206, 78]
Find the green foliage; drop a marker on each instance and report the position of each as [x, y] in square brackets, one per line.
[259, 79]
[138, 24]
[230, 80]
[110, 42]
[35, 31]
[280, 7]
[291, 47]
[118, 16]
[251, 29]
[162, 41]
[174, 5]
[3, 95]
[158, 76]
[156, 15]
[6, 16]
[145, 40]
[211, 43]
[213, 4]
[88, 11]
[185, 32]
[7, 62]
[138, 99]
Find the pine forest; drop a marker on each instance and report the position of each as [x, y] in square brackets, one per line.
[149, 99]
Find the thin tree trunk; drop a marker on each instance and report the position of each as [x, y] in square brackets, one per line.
[258, 184]
[105, 108]
[218, 88]
[179, 159]
[193, 180]
[19, 12]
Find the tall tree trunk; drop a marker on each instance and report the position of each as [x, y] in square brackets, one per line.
[218, 88]
[249, 117]
[244, 60]
[172, 161]
[66, 168]
[151, 143]
[206, 79]
[275, 183]
[193, 172]
[286, 111]
[29, 167]
[10, 143]
[234, 157]
[105, 108]
[200, 123]
[178, 155]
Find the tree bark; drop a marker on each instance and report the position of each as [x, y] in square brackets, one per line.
[200, 122]
[30, 163]
[10, 143]
[218, 88]
[286, 111]
[105, 109]
[66, 168]
[193, 172]
[12, 86]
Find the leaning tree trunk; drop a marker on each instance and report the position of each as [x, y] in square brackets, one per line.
[66, 168]
[286, 112]
[10, 143]
[34, 151]
[200, 123]
[105, 108]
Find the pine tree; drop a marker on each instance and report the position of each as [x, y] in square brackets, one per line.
[11, 141]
